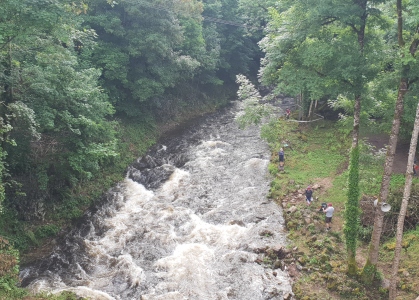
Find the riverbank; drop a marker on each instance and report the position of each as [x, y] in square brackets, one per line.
[318, 155]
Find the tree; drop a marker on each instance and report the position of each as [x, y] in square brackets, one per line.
[403, 209]
[325, 50]
[145, 48]
[20, 24]
[406, 63]
[239, 53]
[253, 111]
[53, 107]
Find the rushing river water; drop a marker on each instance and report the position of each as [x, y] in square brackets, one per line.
[184, 224]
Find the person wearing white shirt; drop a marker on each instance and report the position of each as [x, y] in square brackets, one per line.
[329, 214]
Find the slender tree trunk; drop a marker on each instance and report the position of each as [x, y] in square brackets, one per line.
[371, 263]
[352, 202]
[300, 110]
[357, 114]
[352, 212]
[370, 267]
[309, 110]
[403, 209]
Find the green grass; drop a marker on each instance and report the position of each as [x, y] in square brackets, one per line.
[310, 155]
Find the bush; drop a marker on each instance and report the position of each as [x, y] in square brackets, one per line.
[364, 233]
[46, 231]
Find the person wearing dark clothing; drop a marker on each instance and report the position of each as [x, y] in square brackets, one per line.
[309, 195]
[281, 156]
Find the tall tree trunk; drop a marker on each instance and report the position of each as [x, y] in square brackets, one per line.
[352, 212]
[357, 118]
[310, 111]
[370, 266]
[405, 202]
[300, 110]
[352, 202]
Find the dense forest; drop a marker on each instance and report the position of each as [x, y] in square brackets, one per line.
[80, 78]
[75, 72]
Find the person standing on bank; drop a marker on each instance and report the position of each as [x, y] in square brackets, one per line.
[309, 195]
[329, 214]
[287, 113]
[281, 156]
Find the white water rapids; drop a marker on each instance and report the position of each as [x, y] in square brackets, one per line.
[184, 224]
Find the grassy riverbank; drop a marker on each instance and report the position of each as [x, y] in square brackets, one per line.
[317, 154]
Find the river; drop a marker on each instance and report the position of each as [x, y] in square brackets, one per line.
[184, 224]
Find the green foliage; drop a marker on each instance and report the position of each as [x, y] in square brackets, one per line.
[9, 270]
[145, 51]
[46, 230]
[364, 233]
[352, 210]
[253, 111]
[371, 166]
[397, 181]
[30, 235]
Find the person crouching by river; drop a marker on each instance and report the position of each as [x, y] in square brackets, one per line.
[329, 214]
[309, 195]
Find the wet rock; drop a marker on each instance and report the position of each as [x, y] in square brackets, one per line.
[292, 271]
[302, 260]
[237, 222]
[266, 233]
[278, 265]
[315, 186]
[287, 296]
[271, 293]
[260, 250]
[277, 251]
[152, 178]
